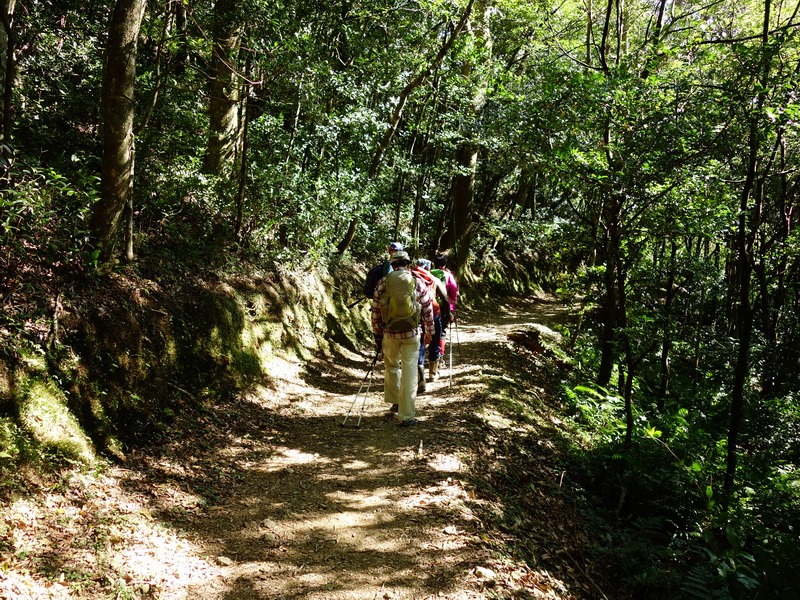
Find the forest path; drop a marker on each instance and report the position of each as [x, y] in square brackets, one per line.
[268, 496]
[331, 511]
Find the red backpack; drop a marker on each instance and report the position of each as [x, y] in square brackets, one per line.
[430, 283]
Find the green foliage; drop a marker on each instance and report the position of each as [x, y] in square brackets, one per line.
[664, 485]
[613, 173]
[46, 211]
[43, 234]
[598, 410]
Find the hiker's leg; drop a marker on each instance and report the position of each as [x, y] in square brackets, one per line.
[421, 365]
[391, 377]
[433, 367]
[433, 347]
[445, 321]
[409, 357]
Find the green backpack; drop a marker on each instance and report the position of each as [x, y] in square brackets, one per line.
[439, 274]
[400, 310]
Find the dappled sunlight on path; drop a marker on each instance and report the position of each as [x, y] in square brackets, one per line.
[269, 495]
[375, 511]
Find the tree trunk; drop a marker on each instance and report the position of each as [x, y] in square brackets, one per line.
[666, 339]
[744, 327]
[609, 304]
[182, 39]
[294, 127]
[128, 235]
[242, 187]
[747, 226]
[7, 72]
[589, 33]
[348, 237]
[609, 216]
[117, 106]
[605, 44]
[225, 94]
[698, 336]
[622, 31]
[462, 193]
[462, 190]
[631, 362]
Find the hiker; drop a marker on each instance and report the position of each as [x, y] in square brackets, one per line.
[399, 302]
[380, 270]
[448, 308]
[438, 296]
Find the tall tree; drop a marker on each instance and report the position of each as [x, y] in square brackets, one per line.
[225, 90]
[475, 71]
[117, 107]
[397, 112]
[7, 69]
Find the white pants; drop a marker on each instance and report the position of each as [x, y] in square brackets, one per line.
[400, 379]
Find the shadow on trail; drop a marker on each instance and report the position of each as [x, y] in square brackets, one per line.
[297, 506]
[339, 375]
[299, 472]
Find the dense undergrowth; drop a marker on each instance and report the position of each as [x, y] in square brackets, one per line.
[665, 532]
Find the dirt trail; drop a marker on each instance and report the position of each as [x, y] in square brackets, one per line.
[268, 496]
[334, 512]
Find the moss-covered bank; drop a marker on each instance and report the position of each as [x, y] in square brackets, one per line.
[126, 352]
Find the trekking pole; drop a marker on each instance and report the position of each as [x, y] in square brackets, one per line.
[368, 381]
[458, 341]
[352, 304]
[451, 364]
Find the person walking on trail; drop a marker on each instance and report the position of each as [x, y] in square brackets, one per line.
[448, 308]
[438, 296]
[399, 302]
[380, 270]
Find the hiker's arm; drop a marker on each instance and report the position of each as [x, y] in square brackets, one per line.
[376, 318]
[426, 305]
[452, 291]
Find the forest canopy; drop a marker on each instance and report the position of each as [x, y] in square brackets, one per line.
[637, 156]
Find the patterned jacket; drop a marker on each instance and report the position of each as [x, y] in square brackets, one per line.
[426, 312]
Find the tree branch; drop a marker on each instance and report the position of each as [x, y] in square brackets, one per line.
[410, 87]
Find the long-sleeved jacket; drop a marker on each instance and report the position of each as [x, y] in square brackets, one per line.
[450, 285]
[452, 289]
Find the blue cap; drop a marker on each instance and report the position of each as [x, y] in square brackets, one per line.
[395, 246]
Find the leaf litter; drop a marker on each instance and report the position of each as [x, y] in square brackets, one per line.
[265, 495]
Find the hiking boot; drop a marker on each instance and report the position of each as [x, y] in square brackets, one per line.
[420, 379]
[432, 368]
[408, 422]
[394, 408]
